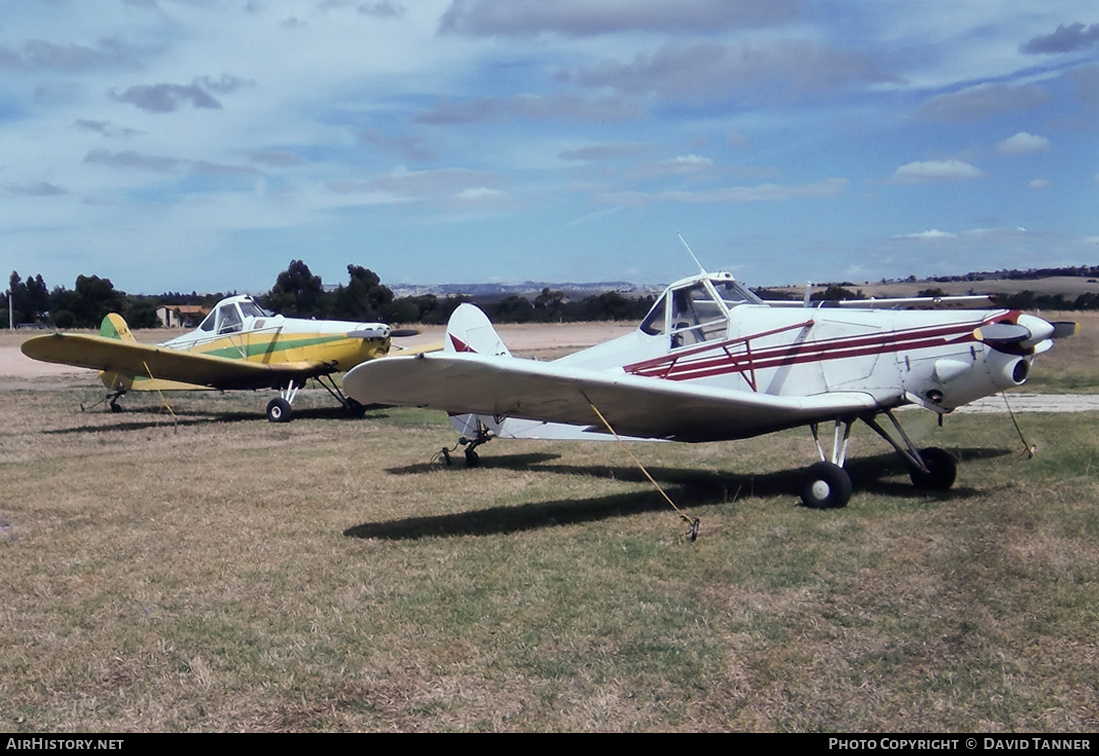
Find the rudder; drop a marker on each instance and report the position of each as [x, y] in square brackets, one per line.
[114, 327]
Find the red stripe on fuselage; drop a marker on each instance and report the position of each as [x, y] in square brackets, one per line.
[718, 359]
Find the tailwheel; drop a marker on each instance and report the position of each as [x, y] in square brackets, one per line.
[826, 486]
[279, 410]
[942, 470]
[484, 435]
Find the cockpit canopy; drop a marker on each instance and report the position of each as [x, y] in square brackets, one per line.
[229, 315]
[697, 309]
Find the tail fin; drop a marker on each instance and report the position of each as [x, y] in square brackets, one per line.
[114, 327]
[469, 330]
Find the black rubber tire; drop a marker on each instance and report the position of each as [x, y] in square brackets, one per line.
[943, 470]
[826, 486]
[354, 409]
[279, 411]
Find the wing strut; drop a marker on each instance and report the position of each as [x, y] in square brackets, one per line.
[693, 523]
[161, 395]
[1029, 449]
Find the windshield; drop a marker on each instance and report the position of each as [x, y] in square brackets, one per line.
[733, 294]
[250, 309]
[653, 324]
[698, 310]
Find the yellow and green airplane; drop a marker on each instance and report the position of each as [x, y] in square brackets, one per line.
[239, 345]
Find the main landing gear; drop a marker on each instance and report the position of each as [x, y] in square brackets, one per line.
[826, 485]
[279, 409]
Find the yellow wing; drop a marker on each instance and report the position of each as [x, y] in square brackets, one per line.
[132, 359]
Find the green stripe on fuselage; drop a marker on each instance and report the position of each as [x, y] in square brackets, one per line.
[271, 346]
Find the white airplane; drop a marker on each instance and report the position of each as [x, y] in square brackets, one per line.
[714, 362]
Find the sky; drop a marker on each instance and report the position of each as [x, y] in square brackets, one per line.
[179, 145]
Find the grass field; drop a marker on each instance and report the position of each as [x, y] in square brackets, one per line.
[217, 572]
[211, 571]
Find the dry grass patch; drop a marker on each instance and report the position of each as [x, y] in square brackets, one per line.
[216, 572]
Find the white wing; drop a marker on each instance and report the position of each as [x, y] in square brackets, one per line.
[634, 406]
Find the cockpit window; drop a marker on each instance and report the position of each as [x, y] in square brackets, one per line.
[207, 323]
[697, 316]
[228, 319]
[653, 324]
[698, 311]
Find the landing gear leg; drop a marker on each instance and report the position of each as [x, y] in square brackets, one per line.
[279, 409]
[931, 468]
[350, 407]
[826, 485]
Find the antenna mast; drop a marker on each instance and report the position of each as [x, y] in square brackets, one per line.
[692, 254]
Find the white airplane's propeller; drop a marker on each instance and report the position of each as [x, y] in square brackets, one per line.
[1028, 333]
[1001, 333]
[1064, 328]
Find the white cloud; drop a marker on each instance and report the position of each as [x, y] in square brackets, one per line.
[732, 194]
[936, 172]
[932, 234]
[480, 194]
[1023, 143]
[1040, 184]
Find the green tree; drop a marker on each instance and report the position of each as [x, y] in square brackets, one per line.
[30, 301]
[296, 293]
[550, 304]
[93, 298]
[364, 297]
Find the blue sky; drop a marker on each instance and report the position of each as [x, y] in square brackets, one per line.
[204, 144]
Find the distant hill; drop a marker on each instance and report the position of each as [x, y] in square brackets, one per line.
[489, 291]
[1041, 283]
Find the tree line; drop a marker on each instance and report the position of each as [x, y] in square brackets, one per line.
[297, 292]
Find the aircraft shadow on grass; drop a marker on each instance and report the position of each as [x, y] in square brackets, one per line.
[186, 417]
[690, 489]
